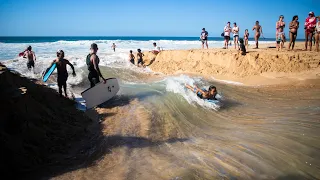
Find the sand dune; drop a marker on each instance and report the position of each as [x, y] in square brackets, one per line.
[265, 64]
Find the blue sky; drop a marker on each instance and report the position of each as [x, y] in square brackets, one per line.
[145, 18]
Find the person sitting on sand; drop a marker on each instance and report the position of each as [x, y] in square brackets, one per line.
[114, 47]
[280, 38]
[31, 56]
[62, 72]
[309, 26]
[156, 49]
[317, 34]
[131, 58]
[246, 38]
[227, 31]
[293, 31]
[203, 94]
[139, 57]
[258, 30]
[242, 47]
[204, 38]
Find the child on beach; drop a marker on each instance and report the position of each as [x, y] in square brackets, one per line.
[204, 94]
[114, 47]
[242, 47]
[139, 57]
[280, 38]
[62, 72]
[131, 57]
[246, 38]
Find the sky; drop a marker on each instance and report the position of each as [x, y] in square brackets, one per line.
[146, 17]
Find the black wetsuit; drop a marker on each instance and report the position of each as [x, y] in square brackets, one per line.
[93, 75]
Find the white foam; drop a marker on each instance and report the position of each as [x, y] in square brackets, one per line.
[228, 82]
[177, 85]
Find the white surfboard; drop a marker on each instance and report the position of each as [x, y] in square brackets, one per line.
[100, 93]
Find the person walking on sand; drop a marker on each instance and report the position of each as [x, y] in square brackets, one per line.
[31, 56]
[92, 62]
[317, 35]
[62, 72]
[204, 38]
[259, 32]
[227, 31]
[246, 38]
[280, 23]
[114, 47]
[309, 26]
[293, 31]
[235, 31]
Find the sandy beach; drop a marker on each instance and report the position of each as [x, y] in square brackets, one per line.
[264, 66]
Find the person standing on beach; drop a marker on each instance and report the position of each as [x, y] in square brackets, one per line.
[114, 47]
[235, 31]
[280, 38]
[246, 38]
[62, 72]
[317, 36]
[258, 29]
[204, 38]
[280, 23]
[227, 31]
[309, 27]
[31, 56]
[140, 58]
[92, 62]
[293, 31]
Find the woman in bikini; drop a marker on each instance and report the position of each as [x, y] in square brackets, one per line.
[246, 38]
[317, 35]
[293, 31]
[280, 23]
[309, 27]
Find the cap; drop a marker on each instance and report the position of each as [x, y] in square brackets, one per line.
[94, 46]
[311, 12]
[60, 51]
[203, 28]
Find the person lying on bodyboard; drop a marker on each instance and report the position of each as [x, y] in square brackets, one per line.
[209, 94]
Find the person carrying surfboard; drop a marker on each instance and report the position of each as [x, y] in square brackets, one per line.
[30, 55]
[93, 66]
[62, 72]
[204, 94]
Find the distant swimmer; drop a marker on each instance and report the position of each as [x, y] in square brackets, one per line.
[92, 62]
[31, 56]
[204, 94]
[258, 33]
[156, 49]
[204, 38]
[114, 47]
[62, 72]
[246, 38]
[132, 58]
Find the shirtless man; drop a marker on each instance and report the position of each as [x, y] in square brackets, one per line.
[140, 58]
[114, 47]
[258, 29]
[209, 94]
[31, 56]
[131, 58]
[62, 72]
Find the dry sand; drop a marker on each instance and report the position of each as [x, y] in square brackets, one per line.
[259, 67]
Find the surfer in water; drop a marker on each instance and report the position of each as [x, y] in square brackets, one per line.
[204, 94]
[31, 56]
[62, 72]
[93, 66]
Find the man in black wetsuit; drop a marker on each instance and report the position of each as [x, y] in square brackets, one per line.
[93, 66]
